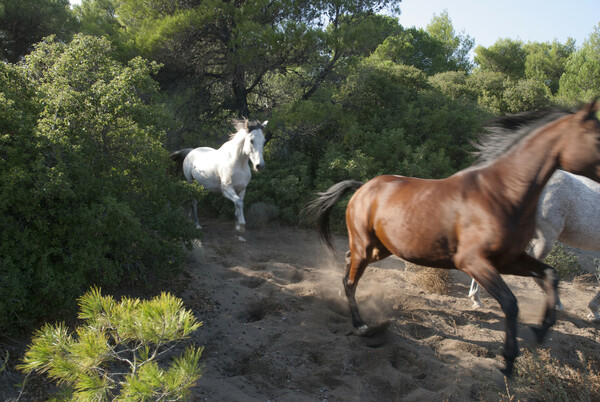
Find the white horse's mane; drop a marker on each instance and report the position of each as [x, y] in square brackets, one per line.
[244, 127]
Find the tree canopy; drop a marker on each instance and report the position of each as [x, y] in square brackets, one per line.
[580, 78]
[24, 23]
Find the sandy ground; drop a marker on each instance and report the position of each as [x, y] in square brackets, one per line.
[277, 327]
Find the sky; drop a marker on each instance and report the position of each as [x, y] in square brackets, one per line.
[486, 21]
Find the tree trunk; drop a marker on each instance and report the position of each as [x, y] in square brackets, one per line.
[240, 92]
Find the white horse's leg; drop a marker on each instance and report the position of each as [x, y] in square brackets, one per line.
[594, 306]
[542, 243]
[241, 220]
[195, 213]
[240, 223]
[474, 294]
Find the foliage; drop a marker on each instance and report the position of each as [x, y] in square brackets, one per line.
[85, 193]
[513, 77]
[499, 94]
[489, 87]
[526, 94]
[564, 261]
[394, 112]
[384, 118]
[287, 185]
[116, 351]
[227, 50]
[455, 84]
[348, 92]
[99, 18]
[415, 47]
[579, 82]
[456, 48]
[506, 56]
[24, 23]
[546, 62]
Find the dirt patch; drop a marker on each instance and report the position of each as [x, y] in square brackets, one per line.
[277, 326]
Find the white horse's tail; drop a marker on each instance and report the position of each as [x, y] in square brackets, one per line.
[178, 157]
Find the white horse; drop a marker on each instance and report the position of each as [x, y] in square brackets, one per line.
[568, 211]
[226, 169]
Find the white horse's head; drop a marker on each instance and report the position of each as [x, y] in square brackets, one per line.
[254, 143]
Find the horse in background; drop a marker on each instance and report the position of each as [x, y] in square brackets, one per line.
[225, 169]
[478, 220]
[568, 211]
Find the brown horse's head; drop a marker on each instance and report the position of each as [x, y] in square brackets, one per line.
[579, 151]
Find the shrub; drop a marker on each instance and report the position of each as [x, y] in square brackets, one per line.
[85, 196]
[564, 261]
[525, 95]
[117, 350]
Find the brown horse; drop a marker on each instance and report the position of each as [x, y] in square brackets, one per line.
[478, 220]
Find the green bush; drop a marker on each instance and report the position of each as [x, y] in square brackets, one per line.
[564, 261]
[115, 353]
[285, 183]
[85, 195]
[384, 119]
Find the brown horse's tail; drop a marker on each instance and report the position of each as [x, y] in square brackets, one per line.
[178, 157]
[321, 207]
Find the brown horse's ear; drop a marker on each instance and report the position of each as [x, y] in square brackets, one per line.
[589, 110]
[595, 105]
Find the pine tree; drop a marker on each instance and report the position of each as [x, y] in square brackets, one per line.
[121, 350]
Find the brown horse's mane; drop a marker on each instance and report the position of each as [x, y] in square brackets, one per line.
[504, 132]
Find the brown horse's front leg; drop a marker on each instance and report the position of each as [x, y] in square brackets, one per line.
[487, 276]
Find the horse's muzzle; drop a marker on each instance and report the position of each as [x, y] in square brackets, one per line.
[259, 167]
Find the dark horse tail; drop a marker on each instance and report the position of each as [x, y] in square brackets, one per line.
[321, 207]
[178, 157]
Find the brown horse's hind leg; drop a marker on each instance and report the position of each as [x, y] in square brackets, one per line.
[355, 267]
[487, 276]
[526, 265]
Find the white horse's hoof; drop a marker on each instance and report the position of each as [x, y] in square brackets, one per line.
[198, 227]
[593, 317]
[474, 296]
[240, 238]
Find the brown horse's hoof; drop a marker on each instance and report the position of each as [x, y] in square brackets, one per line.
[506, 372]
[374, 330]
[540, 333]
